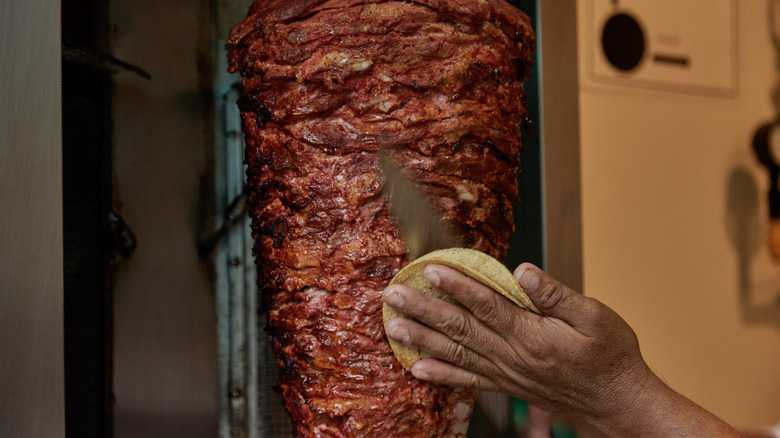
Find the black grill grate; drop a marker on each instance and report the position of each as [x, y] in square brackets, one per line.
[274, 419]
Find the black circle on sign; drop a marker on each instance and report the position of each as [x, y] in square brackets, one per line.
[623, 42]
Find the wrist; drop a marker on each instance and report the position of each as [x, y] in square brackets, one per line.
[647, 407]
[636, 399]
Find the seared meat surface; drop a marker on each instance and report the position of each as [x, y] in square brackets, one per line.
[438, 85]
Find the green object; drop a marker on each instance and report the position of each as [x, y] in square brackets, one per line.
[519, 413]
[520, 419]
[563, 430]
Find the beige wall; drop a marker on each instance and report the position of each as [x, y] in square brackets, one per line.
[674, 219]
[165, 355]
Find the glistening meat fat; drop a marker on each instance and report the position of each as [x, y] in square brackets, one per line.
[438, 85]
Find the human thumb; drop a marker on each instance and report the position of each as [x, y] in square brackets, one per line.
[550, 296]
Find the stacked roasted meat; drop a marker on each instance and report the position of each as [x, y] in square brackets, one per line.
[328, 84]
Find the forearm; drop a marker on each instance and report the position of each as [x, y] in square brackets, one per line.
[650, 408]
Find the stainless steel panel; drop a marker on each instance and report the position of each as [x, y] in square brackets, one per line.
[557, 33]
[31, 244]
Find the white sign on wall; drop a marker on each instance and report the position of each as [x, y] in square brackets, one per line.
[674, 45]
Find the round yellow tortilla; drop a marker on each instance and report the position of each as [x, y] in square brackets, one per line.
[472, 263]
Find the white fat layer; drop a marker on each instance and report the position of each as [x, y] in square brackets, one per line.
[346, 61]
[315, 295]
[461, 415]
[464, 195]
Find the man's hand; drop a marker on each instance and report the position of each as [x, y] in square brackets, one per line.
[581, 359]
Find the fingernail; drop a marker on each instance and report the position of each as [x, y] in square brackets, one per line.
[393, 298]
[529, 280]
[420, 374]
[432, 275]
[397, 332]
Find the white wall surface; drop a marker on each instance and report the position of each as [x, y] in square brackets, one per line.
[674, 223]
[165, 354]
[31, 258]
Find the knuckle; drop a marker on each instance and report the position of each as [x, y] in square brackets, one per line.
[487, 308]
[457, 327]
[471, 382]
[424, 309]
[529, 343]
[596, 310]
[534, 347]
[550, 295]
[457, 354]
